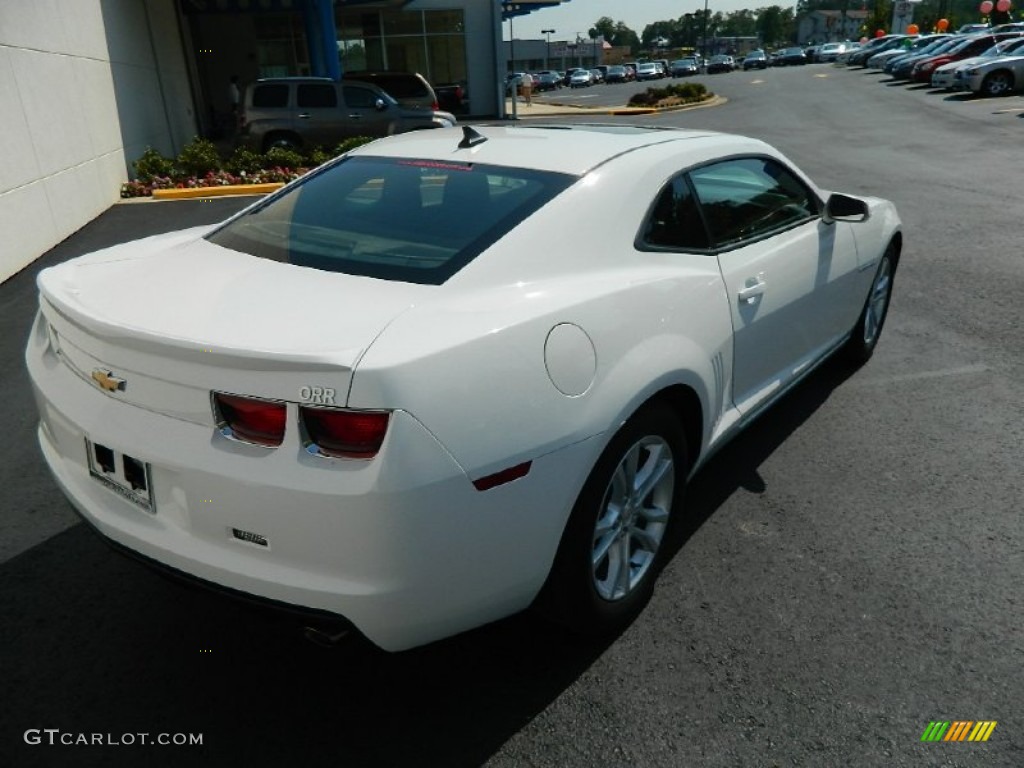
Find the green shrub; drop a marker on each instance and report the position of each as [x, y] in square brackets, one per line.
[152, 164]
[350, 144]
[686, 92]
[244, 160]
[317, 156]
[279, 157]
[198, 158]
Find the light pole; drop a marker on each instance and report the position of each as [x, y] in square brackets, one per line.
[547, 47]
[704, 37]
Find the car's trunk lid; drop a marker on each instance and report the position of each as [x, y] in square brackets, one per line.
[175, 317]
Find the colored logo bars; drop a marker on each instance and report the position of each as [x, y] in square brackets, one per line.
[958, 730]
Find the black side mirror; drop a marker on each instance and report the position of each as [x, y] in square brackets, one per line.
[380, 104]
[845, 208]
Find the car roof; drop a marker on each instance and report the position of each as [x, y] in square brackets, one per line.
[562, 148]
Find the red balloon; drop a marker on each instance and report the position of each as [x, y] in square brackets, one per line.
[879, 33]
[1003, 6]
[986, 7]
[942, 25]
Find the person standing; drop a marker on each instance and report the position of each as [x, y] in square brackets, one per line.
[527, 85]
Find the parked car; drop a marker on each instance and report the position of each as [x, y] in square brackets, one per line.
[409, 89]
[951, 76]
[616, 74]
[648, 70]
[453, 97]
[860, 57]
[547, 81]
[581, 78]
[828, 52]
[597, 75]
[790, 57]
[900, 67]
[684, 67]
[920, 45]
[998, 77]
[720, 63]
[306, 111]
[383, 397]
[755, 60]
[969, 47]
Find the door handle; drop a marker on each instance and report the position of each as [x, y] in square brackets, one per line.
[304, 115]
[356, 116]
[755, 287]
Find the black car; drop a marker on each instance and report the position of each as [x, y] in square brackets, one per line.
[546, 81]
[616, 74]
[684, 67]
[721, 63]
[792, 56]
[755, 60]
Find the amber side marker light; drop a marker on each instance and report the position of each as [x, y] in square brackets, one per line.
[504, 476]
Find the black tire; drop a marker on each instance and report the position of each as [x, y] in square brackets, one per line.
[998, 83]
[282, 141]
[595, 594]
[865, 334]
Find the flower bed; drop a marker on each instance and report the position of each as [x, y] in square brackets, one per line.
[200, 165]
[671, 95]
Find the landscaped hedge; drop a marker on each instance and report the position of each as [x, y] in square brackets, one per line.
[200, 165]
[671, 95]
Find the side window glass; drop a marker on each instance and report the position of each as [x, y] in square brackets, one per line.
[316, 96]
[270, 96]
[750, 197]
[359, 98]
[675, 221]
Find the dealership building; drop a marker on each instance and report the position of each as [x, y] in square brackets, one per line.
[87, 85]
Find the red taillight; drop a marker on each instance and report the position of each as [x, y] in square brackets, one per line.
[436, 106]
[343, 434]
[250, 420]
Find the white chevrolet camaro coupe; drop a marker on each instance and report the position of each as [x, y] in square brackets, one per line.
[452, 373]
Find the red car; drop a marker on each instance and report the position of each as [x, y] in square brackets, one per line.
[972, 46]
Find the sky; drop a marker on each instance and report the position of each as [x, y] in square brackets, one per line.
[577, 16]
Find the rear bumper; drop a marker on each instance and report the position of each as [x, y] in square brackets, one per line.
[403, 546]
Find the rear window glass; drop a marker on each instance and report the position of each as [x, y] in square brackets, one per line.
[270, 96]
[416, 221]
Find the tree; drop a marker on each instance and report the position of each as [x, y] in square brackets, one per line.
[776, 25]
[671, 31]
[615, 33]
[603, 27]
[739, 24]
[626, 36]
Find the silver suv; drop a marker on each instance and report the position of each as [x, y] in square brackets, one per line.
[297, 112]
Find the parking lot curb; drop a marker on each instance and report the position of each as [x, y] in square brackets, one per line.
[551, 109]
[229, 189]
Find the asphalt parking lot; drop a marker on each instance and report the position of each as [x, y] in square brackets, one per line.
[850, 569]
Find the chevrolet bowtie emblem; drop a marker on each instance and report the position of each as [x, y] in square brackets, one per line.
[108, 381]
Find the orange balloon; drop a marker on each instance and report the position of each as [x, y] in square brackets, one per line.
[913, 29]
[942, 25]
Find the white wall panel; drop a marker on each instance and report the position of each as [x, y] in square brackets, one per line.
[81, 92]
[18, 164]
